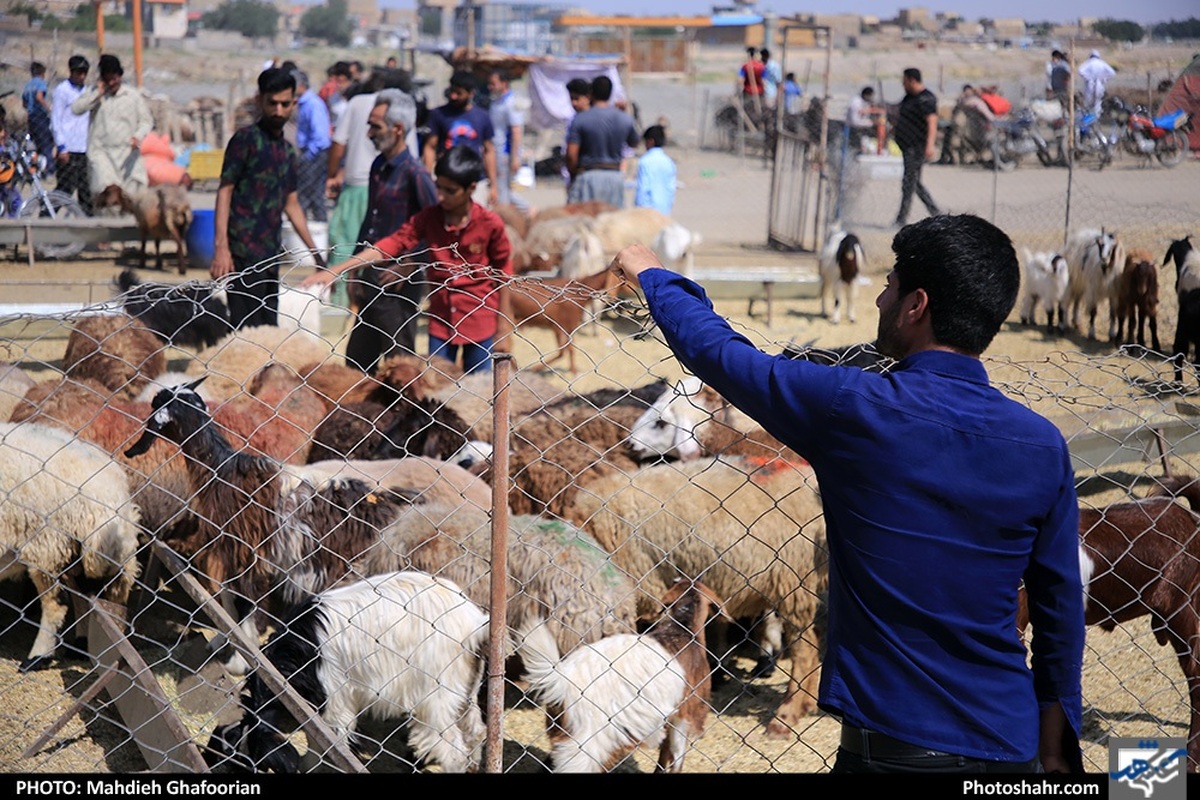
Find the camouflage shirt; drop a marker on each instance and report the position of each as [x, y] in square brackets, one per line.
[262, 168]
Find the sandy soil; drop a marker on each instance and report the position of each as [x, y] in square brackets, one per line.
[1132, 685]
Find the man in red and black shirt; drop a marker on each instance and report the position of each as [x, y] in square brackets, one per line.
[258, 186]
[388, 296]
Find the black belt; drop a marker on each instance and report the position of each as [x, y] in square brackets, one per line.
[871, 744]
[590, 167]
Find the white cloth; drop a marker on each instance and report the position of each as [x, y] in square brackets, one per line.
[550, 103]
[70, 129]
[351, 131]
[1095, 73]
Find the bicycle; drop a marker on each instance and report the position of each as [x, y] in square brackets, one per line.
[23, 165]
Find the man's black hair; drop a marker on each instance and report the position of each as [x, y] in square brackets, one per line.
[969, 270]
[37, 68]
[579, 87]
[275, 80]
[340, 69]
[912, 73]
[656, 134]
[464, 80]
[110, 65]
[460, 164]
[602, 88]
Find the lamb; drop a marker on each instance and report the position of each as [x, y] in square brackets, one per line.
[754, 535]
[276, 417]
[1137, 299]
[115, 351]
[258, 523]
[430, 480]
[1094, 260]
[189, 314]
[559, 304]
[1142, 557]
[1045, 284]
[162, 212]
[548, 238]
[66, 511]
[401, 645]
[607, 698]
[842, 261]
[471, 396]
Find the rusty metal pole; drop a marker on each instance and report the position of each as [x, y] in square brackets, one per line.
[137, 41]
[99, 28]
[498, 605]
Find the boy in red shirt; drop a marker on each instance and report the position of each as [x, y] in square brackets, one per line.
[468, 305]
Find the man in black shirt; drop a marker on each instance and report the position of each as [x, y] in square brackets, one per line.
[916, 134]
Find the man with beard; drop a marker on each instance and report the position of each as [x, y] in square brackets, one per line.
[258, 186]
[388, 302]
[460, 121]
[940, 494]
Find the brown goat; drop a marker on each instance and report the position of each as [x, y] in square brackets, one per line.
[559, 304]
[1137, 299]
[1141, 558]
[162, 212]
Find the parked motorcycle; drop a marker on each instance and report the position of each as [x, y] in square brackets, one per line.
[20, 169]
[1163, 138]
[1092, 142]
[1017, 137]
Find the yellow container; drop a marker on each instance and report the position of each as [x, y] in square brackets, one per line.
[206, 165]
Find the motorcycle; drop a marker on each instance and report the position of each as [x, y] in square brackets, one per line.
[1014, 138]
[1091, 141]
[1163, 138]
[21, 167]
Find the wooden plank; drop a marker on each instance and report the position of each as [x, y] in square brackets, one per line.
[163, 739]
[320, 737]
[67, 231]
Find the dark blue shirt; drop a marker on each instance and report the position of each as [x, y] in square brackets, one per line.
[398, 189]
[940, 495]
[449, 126]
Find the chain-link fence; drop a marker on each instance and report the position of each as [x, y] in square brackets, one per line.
[204, 493]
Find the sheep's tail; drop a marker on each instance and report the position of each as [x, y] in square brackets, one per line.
[539, 652]
[1185, 486]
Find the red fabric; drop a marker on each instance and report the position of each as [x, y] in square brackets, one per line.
[998, 104]
[752, 77]
[161, 170]
[157, 144]
[464, 301]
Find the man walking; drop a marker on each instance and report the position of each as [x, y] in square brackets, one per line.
[772, 78]
[388, 299]
[594, 149]
[1096, 73]
[71, 134]
[119, 120]
[656, 174]
[508, 124]
[460, 121]
[312, 145]
[916, 136]
[258, 186]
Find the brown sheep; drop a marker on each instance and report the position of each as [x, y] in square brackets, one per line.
[1137, 299]
[162, 212]
[114, 350]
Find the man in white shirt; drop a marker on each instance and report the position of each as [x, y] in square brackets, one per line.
[1095, 73]
[860, 119]
[71, 133]
[507, 123]
[772, 78]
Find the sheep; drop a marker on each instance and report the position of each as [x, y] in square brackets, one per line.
[189, 314]
[471, 396]
[232, 362]
[608, 698]
[841, 262]
[276, 417]
[66, 510]
[162, 212]
[514, 217]
[1139, 558]
[1187, 332]
[754, 535]
[625, 226]
[1094, 261]
[548, 238]
[259, 523]
[1137, 299]
[1045, 284]
[114, 350]
[430, 479]
[14, 383]
[555, 569]
[675, 247]
[559, 304]
[398, 645]
[587, 208]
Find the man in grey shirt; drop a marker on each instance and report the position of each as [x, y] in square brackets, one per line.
[594, 149]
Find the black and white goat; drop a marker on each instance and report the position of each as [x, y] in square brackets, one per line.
[191, 314]
[262, 526]
[626, 691]
[400, 645]
[1187, 286]
[841, 263]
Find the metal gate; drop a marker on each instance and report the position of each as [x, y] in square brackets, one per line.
[797, 188]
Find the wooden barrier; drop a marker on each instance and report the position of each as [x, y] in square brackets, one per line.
[37, 231]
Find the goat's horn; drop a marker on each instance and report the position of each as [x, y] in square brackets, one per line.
[194, 384]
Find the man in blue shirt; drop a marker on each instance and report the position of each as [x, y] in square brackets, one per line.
[941, 496]
[656, 173]
[594, 148]
[313, 137]
[460, 121]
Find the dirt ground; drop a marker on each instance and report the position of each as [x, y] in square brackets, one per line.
[1132, 685]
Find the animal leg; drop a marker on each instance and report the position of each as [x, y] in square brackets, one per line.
[673, 748]
[1154, 334]
[800, 698]
[181, 250]
[54, 614]
[850, 290]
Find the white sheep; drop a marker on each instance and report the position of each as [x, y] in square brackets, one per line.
[400, 645]
[607, 698]
[841, 263]
[1046, 276]
[14, 383]
[675, 247]
[65, 508]
[754, 535]
[1095, 259]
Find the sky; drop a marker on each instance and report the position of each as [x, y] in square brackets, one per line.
[1143, 11]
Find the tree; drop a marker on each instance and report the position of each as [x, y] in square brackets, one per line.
[329, 22]
[252, 18]
[1120, 30]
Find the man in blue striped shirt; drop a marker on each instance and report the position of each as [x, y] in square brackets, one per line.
[941, 496]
